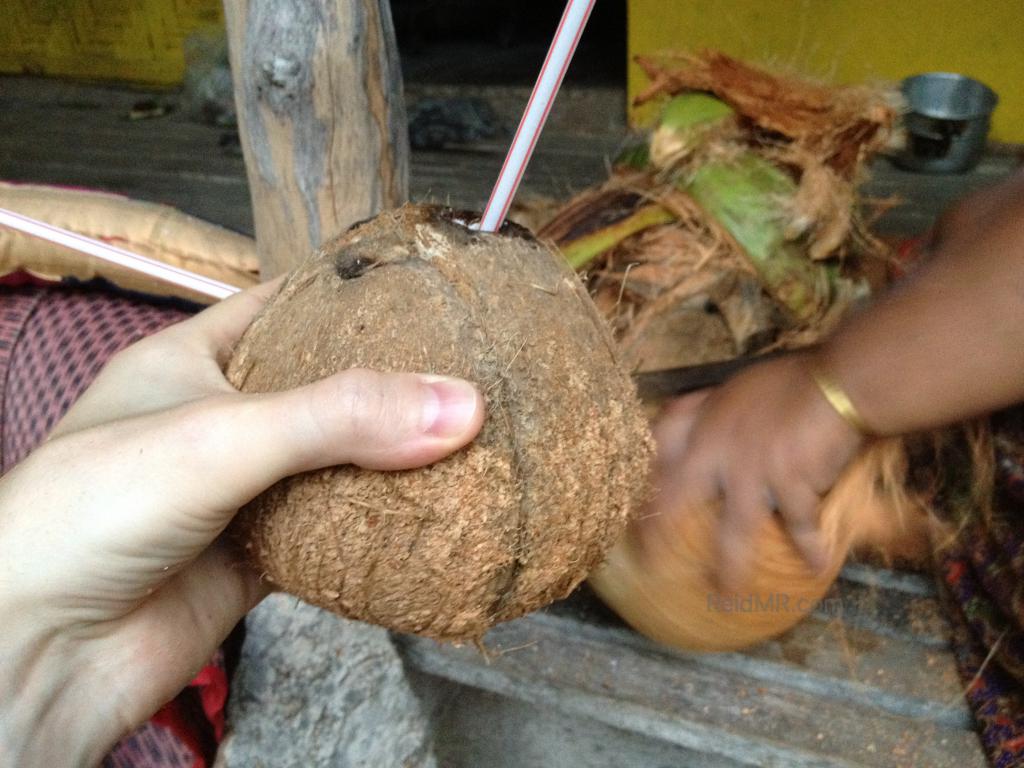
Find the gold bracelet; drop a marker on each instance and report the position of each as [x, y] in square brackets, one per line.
[839, 400]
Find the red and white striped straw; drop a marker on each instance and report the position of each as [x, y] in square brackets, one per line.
[134, 261]
[577, 12]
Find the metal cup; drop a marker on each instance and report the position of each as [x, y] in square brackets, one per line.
[947, 123]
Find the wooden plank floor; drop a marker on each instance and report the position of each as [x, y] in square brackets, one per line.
[59, 133]
[875, 686]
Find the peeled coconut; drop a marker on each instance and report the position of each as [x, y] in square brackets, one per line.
[510, 523]
[667, 591]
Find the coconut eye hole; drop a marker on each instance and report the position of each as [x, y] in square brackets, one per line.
[350, 266]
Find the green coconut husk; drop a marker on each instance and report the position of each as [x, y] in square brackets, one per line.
[742, 203]
[636, 156]
[583, 250]
[688, 122]
[748, 196]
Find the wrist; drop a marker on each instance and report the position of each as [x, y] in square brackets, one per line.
[840, 390]
[50, 714]
[825, 429]
[839, 399]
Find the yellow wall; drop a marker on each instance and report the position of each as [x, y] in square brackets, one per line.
[850, 40]
[132, 40]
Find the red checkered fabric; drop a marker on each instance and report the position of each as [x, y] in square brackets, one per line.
[64, 339]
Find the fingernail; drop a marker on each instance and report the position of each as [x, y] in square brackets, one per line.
[452, 409]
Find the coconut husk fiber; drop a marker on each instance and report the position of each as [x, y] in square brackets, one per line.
[838, 125]
[510, 523]
[651, 242]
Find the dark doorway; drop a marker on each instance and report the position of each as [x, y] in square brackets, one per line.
[487, 42]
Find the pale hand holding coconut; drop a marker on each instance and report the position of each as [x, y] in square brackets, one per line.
[113, 577]
[944, 345]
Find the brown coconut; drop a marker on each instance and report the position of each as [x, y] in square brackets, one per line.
[512, 522]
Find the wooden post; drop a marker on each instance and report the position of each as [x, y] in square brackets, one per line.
[321, 116]
[322, 122]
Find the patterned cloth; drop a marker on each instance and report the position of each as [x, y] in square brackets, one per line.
[983, 577]
[57, 341]
[53, 343]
